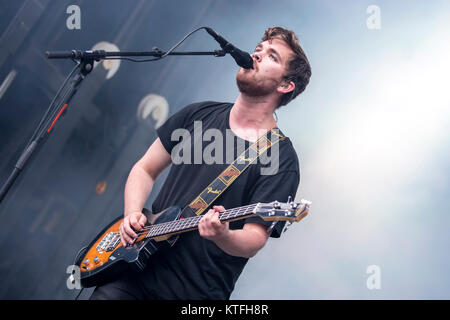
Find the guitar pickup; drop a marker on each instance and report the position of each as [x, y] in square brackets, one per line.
[109, 242]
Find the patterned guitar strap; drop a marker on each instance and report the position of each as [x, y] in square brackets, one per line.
[230, 174]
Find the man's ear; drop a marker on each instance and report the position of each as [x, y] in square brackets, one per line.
[286, 87]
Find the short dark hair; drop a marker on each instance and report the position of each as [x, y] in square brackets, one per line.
[299, 69]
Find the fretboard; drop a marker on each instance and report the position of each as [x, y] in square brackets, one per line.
[187, 224]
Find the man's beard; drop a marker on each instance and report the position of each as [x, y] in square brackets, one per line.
[249, 85]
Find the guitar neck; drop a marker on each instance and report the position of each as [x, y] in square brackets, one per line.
[191, 223]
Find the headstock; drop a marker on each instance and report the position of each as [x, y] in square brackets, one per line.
[283, 211]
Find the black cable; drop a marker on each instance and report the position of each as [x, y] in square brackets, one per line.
[79, 293]
[38, 131]
[56, 110]
[163, 55]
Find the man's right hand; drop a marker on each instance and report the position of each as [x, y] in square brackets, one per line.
[131, 224]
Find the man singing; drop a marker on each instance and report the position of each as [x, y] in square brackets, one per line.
[206, 264]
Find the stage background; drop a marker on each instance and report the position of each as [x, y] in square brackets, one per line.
[371, 132]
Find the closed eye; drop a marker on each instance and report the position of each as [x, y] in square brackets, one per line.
[274, 55]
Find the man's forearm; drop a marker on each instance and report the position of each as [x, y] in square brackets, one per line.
[137, 189]
[241, 242]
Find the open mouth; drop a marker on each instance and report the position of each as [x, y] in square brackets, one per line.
[255, 68]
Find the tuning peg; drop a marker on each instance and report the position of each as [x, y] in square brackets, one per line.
[276, 205]
[303, 201]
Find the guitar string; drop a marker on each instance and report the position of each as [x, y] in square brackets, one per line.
[180, 225]
[229, 211]
[191, 220]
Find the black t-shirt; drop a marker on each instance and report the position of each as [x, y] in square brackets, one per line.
[196, 268]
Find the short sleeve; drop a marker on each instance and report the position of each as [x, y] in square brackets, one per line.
[275, 187]
[179, 120]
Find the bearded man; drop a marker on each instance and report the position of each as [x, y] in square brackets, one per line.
[206, 264]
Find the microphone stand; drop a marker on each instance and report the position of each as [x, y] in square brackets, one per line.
[84, 65]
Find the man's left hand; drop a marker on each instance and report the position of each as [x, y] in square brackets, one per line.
[211, 228]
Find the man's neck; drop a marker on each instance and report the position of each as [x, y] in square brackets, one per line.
[251, 117]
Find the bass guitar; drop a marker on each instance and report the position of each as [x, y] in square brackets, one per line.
[106, 257]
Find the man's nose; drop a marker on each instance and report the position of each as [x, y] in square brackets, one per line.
[256, 56]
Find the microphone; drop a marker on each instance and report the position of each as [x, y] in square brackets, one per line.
[242, 58]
